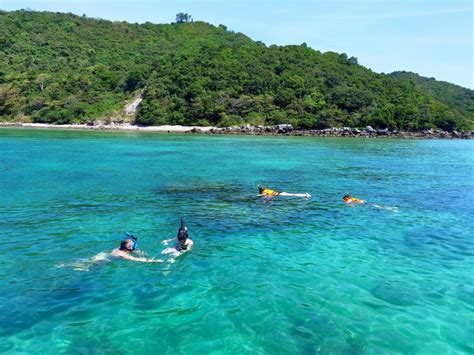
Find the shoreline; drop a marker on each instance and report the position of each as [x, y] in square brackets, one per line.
[104, 127]
[277, 130]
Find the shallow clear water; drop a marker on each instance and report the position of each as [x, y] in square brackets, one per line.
[280, 276]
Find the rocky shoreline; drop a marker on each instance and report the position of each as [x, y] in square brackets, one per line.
[277, 130]
[367, 132]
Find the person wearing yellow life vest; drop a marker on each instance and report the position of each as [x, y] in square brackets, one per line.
[263, 191]
[353, 200]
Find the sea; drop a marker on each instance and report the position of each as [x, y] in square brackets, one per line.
[281, 275]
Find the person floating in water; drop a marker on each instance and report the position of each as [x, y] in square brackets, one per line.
[352, 200]
[128, 245]
[182, 245]
[263, 191]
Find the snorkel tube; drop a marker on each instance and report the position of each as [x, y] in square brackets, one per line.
[130, 237]
[182, 234]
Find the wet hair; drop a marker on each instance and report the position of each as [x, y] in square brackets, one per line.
[347, 197]
[260, 189]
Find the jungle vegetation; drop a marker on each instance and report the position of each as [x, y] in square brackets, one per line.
[64, 68]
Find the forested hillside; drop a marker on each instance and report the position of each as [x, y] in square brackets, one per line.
[63, 68]
[455, 96]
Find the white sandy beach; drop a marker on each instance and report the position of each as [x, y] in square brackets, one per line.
[110, 127]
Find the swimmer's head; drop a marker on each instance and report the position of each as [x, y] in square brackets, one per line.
[261, 189]
[129, 242]
[182, 234]
[347, 197]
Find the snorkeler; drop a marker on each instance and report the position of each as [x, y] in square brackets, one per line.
[352, 200]
[129, 245]
[182, 245]
[263, 191]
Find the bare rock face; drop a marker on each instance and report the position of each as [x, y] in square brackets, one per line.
[131, 108]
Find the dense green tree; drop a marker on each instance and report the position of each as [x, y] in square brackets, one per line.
[183, 17]
[63, 68]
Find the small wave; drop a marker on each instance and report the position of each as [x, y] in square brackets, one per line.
[387, 208]
[86, 264]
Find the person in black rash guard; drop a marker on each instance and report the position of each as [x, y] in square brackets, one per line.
[182, 245]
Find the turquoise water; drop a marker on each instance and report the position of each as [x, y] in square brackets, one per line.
[286, 275]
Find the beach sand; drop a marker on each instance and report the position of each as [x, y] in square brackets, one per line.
[110, 127]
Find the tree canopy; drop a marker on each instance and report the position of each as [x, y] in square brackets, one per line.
[64, 68]
[183, 17]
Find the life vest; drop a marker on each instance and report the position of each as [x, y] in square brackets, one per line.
[354, 200]
[269, 192]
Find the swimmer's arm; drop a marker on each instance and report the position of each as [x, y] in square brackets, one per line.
[168, 250]
[143, 260]
[190, 244]
[166, 241]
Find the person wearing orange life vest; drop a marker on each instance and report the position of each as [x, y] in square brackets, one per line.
[353, 200]
[263, 191]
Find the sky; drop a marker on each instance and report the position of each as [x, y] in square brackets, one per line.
[433, 38]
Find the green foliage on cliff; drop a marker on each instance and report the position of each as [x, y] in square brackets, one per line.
[454, 96]
[64, 68]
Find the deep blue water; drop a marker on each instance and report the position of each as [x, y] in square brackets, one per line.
[286, 275]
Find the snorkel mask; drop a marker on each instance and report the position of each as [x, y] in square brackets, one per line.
[132, 238]
[182, 234]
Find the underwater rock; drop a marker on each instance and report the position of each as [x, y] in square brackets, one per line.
[398, 296]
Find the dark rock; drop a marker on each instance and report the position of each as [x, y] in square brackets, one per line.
[456, 134]
[284, 128]
[395, 295]
[466, 134]
[368, 132]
